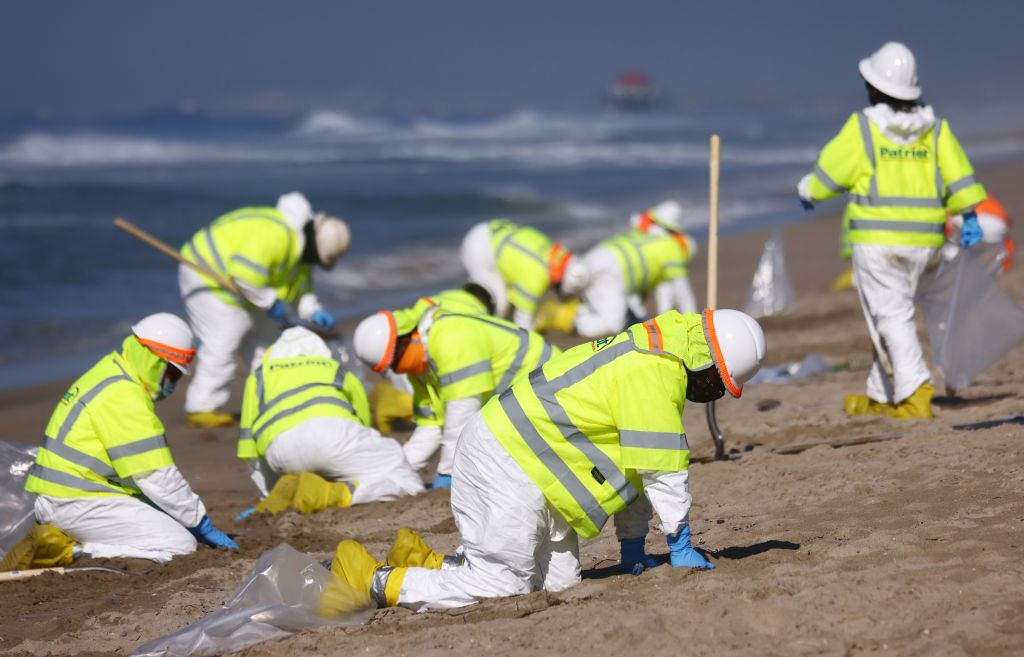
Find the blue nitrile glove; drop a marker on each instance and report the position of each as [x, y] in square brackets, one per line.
[806, 205]
[245, 514]
[633, 559]
[323, 319]
[682, 554]
[282, 312]
[970, 234]
[205, 532]
[442, 481]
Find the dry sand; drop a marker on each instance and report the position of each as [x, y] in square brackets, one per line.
[913, 544]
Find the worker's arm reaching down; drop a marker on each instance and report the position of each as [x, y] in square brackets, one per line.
[457, 414]
[168, 490]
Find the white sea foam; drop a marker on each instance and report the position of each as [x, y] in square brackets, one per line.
[340, 124]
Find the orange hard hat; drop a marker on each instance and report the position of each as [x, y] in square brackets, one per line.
[993, 207]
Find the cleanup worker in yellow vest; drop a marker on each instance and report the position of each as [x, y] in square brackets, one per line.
[593, 433]
[269, 253]
[104, 474]
[653, 257]
[456, 361]
[903, 169]
[470, 299]
[302, 412]
[517, 264]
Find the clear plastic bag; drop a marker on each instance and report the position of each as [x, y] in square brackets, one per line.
[771, 291]
[812, 365]
[16, 504]
[972, 323]
[281, 595]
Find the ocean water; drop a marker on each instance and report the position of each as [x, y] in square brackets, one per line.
[70, 283]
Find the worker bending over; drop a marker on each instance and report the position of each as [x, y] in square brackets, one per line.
[903, 169]
[269, 254]
[593, 433]
[653, 256]
[517, 264]
[302, 412]
[104, 475]
[456, 362]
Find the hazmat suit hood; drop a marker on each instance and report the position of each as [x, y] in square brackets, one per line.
[297, 212]
[146, 367]
[296, 342]
[903, 128]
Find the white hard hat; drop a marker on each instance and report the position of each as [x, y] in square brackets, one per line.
[892, 70]
[576, 276]
[332, 239]
[668, 214]
[374, 340]
[169, 337]
[737, 346]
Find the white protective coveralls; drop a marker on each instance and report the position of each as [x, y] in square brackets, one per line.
[513, 540]
[335, 448]
[606, 300]
[224, 331]
[478, 259]
[887, 276]
[123, 526]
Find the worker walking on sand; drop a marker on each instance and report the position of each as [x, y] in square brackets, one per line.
[903, 169]
[302, 412]
[269, 254]
[593, 433]
[517, 264]
[653, 256]
[456, 363]
[104, 474]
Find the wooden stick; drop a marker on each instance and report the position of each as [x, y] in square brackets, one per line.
[713, 223]
[14, 575]
[162, 246]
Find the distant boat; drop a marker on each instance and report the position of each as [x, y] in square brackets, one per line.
[632, 90]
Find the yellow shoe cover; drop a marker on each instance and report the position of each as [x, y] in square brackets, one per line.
[390, 404]
[307, 492]
[356, 567]
[556, 315]
[864, 405]
[844, 281]
[210, 420]
[916, 406]
[411, 550]
[44, 546]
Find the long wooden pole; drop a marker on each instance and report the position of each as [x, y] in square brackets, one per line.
[714, 162]
[162, 246]
[715, 159]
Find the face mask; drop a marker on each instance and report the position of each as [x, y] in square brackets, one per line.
[168, 381]
[414, 358]
[704, 385]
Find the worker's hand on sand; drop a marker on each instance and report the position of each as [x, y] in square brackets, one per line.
[682, 554]
[970, 234]
[632, 558]
[205, 532]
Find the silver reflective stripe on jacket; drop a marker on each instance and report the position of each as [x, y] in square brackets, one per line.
[81, 459]
[903, 226]
[83, 401]
[69, 480]
[509, 240]
[874, 199]
[827, 181]
[328, 401]
[465, 372]
[254, 266]
[137, 447]
[653, 440]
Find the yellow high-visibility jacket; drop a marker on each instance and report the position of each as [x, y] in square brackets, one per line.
[527, 260]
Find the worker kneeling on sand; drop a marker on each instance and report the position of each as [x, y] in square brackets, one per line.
[517, 264]
[269, 254]
[302, 412]
[580, 439]
[653, 256]
[456, 363]
[903, 169]
[104, 474]
[585, 437]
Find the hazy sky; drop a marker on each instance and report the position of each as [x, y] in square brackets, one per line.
[96, 58]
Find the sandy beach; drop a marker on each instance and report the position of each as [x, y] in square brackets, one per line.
[907, 541]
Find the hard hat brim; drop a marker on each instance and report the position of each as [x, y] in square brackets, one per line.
[888, 88]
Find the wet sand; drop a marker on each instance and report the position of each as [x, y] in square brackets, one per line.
[908, 540]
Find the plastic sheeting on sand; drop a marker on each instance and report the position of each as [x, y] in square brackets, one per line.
[281, 595]
[771, 291]
[812, 365]
[972, 323]
[16, 505]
